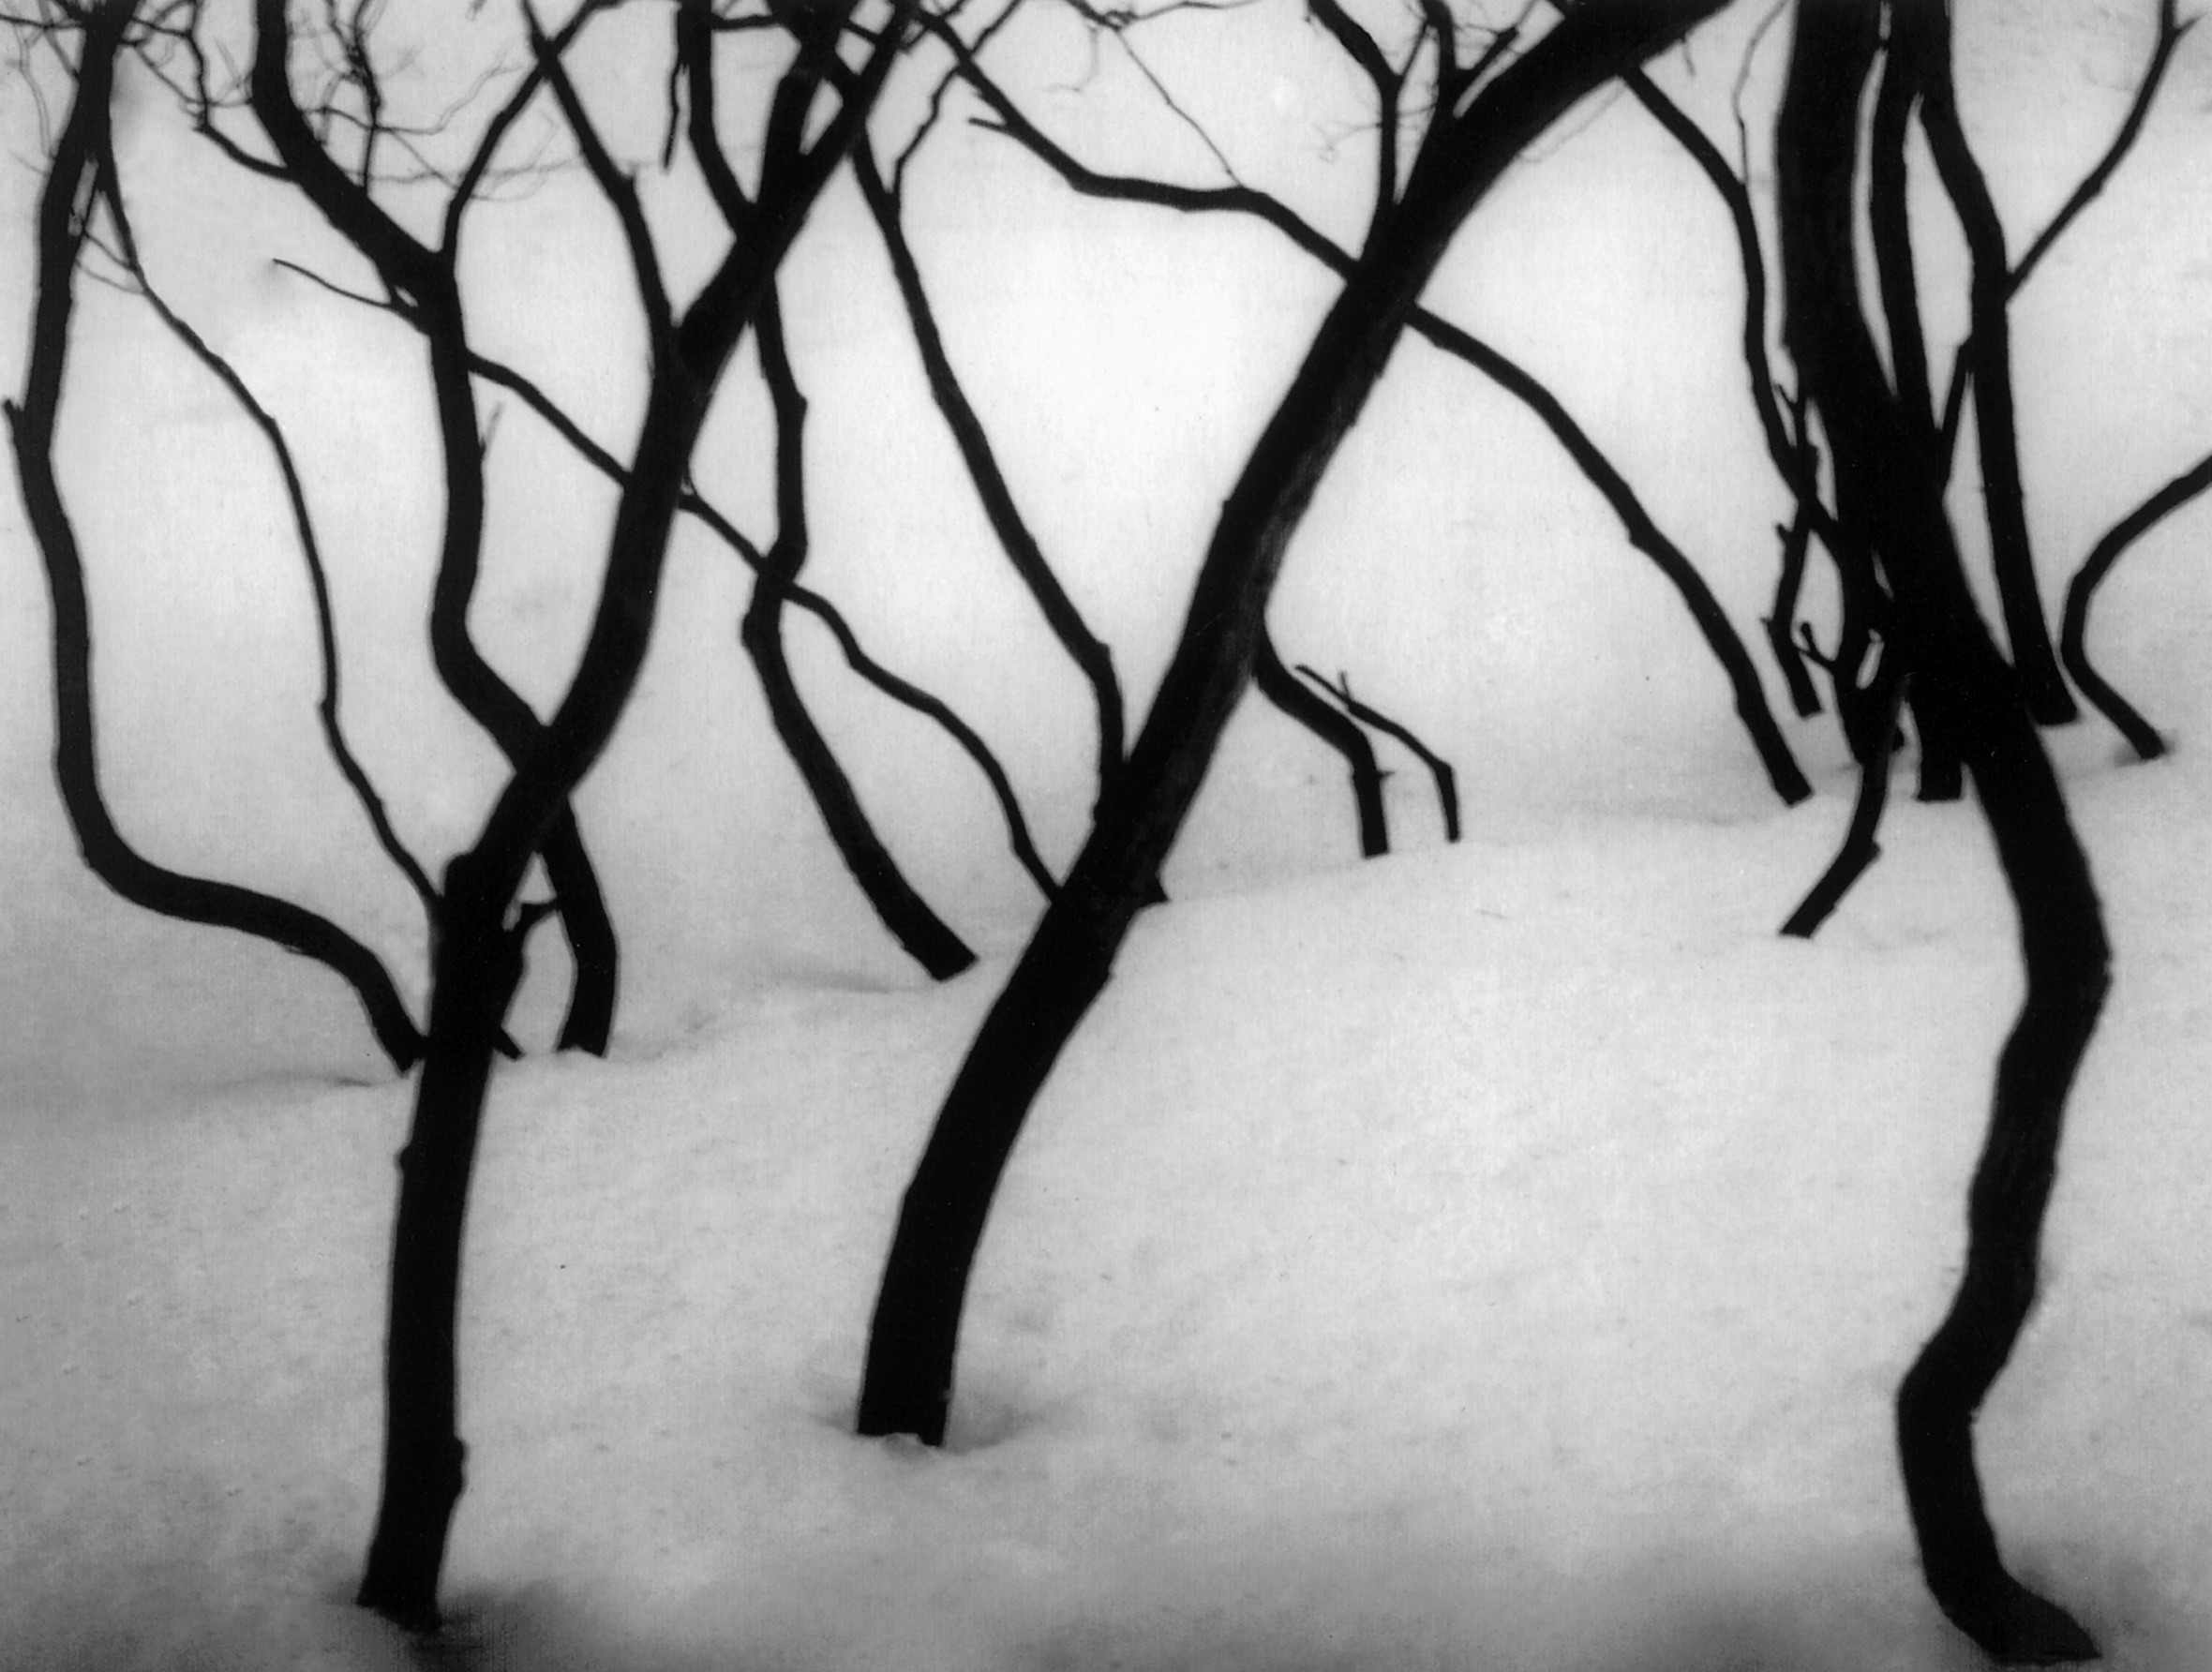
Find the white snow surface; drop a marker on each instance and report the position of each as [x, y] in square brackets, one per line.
[1495, 1257]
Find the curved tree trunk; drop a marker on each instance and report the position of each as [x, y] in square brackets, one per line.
[428, 279]
[478, 959]
[1090, 656]
[904, 913]
[1643, 532]
[900, 690]
[1282, 688]
[1920, 34]
[2074, 630]
[1859, 848]
[1893, 491]
[907, 1383]
[65, 209]
[1447, 781]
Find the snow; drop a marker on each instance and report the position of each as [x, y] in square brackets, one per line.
[1491, 1257]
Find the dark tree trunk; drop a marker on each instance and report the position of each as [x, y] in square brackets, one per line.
[65, 210]
[1894, 492]
[479, 965]
[479, 957]
[429, 280]
[487, 698]
[1942, 774]
[902, 691]
[1282, 688]
[1920, 33]
[908, 1383]
[1090, 656]
[2074, 630]
[1781, 625]
[1447, 781]
[1860, 849]
[1643, 532]
[905, 913]
[1889, 218]
[474, 979]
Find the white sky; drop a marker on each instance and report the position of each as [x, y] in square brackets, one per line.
[1454, 563]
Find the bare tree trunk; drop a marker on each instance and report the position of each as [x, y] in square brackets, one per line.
[479, 958]
[1920, 34]
[1894, 492]
[1643, 533]
[2073, 634]
[1089, 654]
[908, 1383]
[1282, 688]
[1860, 849]
[905, 913]
[73, 188]
[428, 278]
[479, 965]
[1447, 781]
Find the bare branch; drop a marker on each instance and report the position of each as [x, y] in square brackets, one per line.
[2082, 591]
[1859, 848]
[79, 155]
[1643, 532]
[349, 764]
[1447, 781]
[2169, 36]
[617, 188]
[697, 506]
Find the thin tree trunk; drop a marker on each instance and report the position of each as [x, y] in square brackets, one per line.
[1781, 625]
[1861, 848]
[1920, 33]
[1447, 781]
[906, 1386]
[905, 913]
[478, 966]
[2074, 630]
[1643, 533]
[1894, 492]
[1282, 688]
[1090, 656]
[66, 206]
[479, 958]
[1889, 218]
[900, 690]
[428, 277]
[487, 698]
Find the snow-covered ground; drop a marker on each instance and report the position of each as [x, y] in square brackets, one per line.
[1497, 1257]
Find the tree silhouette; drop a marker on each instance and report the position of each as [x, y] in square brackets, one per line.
[903, 912]
[1477, 124]
[81, 181]
[1889, 492]
[1282, 688]
[1447, 781]
[2073, 635]
[1916, 77]
[695, 505]
[1642, 530]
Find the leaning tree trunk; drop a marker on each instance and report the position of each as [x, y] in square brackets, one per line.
[1283, 688]
[907, 1383]
[478, 960]
[1920, 33]
[424, 284]
[926, 937]
[1893, 490]
[81, 151]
